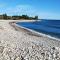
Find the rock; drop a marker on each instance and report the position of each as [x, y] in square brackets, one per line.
[1, 49]
[22, 58]
[6, 57]
[18, 58]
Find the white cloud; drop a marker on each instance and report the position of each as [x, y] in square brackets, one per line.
[29, 10]
[20, 9]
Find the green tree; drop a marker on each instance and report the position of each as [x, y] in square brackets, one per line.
[25, 17]
[36, 17]
[4, 16]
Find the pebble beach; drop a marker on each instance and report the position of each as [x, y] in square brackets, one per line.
[19, 44]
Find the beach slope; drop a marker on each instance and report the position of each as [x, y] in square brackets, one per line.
[19, 44]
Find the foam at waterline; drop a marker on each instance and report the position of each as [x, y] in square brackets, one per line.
[38, 33]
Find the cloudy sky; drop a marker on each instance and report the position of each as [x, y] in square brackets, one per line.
[45, 9]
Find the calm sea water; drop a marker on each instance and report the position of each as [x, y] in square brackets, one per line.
[50, 27]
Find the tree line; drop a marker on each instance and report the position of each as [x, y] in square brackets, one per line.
[16, 17]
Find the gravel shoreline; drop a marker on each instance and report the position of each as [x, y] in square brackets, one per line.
[17, 44]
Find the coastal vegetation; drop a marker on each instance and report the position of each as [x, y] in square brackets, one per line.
[17, 17]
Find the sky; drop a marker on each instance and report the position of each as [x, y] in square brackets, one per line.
[45, 9]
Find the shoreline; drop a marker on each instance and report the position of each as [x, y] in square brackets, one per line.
[32, 32]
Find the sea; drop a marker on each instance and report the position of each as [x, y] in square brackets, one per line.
[45, 26]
